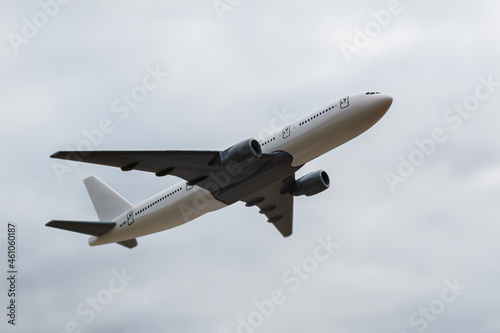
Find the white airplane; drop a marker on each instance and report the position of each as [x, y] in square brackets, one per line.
[259, 173]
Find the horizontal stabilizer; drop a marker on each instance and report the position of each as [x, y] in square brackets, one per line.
[89, 228]
[131, 243]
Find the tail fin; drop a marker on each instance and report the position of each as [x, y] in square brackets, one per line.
[108, 204]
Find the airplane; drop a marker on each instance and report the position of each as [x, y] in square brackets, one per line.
[258, 173]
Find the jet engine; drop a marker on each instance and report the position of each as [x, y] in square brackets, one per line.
[311, 184]
[243, 153]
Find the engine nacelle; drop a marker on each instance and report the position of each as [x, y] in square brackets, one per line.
[242, 153]
[313, 183]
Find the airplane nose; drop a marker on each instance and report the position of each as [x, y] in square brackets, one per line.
[382, 104]
[385, 101]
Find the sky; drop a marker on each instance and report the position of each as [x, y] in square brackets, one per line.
[404, 240]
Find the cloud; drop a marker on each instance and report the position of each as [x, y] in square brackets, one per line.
[226, 79]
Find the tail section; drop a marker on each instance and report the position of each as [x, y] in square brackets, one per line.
[83, 227]
[131, 243]
[108, 205]
[107, 202]
[90, 228]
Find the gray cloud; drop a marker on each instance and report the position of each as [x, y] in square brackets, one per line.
[225, 79]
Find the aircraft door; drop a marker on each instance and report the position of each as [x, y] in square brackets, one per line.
[130, 217]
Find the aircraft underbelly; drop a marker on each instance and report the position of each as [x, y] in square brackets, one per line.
[191, 205]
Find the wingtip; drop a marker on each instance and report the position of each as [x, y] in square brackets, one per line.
[53, 224]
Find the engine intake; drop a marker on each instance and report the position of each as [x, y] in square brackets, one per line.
[243, 153]
[313, 183]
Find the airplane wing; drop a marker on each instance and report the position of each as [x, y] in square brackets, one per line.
[161, 163]
[197, 167]
[276, 203]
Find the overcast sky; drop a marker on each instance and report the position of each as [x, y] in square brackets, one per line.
[416, 247]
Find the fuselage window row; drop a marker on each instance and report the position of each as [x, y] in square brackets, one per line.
[268, 141]
[157, 201]
[315, 116]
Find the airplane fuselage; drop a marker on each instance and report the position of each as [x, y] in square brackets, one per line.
[303, 140]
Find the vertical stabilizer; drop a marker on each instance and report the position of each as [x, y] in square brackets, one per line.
[108, 204]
